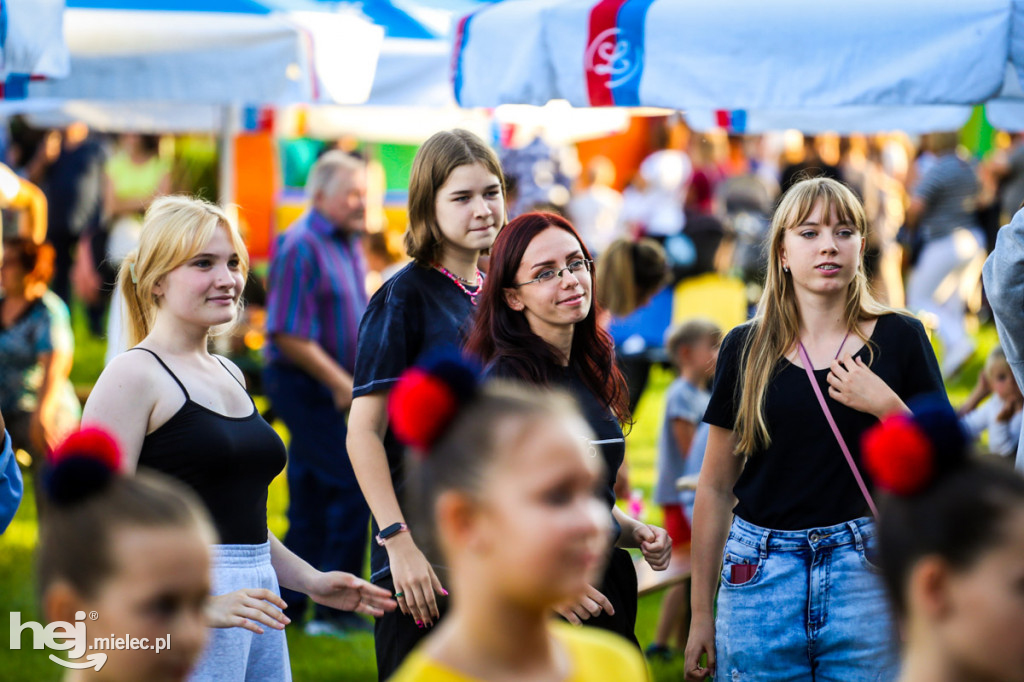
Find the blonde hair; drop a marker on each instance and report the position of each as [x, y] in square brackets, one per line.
[175, 229]
[996, 356]
[775, 328]
[629, 272]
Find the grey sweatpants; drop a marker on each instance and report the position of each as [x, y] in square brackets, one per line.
[236, 654]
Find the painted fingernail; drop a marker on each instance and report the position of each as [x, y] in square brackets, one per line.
[419, 623]
[444, 592]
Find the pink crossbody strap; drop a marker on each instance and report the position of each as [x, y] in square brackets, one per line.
[835, 430]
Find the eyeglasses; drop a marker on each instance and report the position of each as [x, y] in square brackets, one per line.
[575, 267]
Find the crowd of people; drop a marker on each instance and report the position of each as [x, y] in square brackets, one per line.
[467, 420]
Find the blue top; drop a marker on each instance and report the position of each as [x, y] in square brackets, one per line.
[44, 327]
[683, 401]
[317, 289]
[11, 485]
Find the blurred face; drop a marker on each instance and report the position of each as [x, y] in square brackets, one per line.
[557, 301]
[540, 529]
[984, 625]
[204, 290]
[469, 208]
[702, 355]
[158, 590]
[12, 275]
[1000, 378]
[344, 205]
[822, 254]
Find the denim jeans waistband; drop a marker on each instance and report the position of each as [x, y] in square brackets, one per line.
[766, 539]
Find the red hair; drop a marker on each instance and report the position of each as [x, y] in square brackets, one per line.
[502, 336]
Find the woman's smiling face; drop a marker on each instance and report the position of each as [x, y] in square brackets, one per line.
[564, 299]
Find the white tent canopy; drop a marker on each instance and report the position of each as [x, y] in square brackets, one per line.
[861, 57]
[215, 51]
[32, 43]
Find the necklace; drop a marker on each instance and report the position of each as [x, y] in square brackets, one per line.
[801, 343]
[461, 283]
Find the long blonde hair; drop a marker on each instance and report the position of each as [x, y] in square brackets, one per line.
[175, 229]
[775, 328]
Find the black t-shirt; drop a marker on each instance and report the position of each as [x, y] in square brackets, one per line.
[417, 311]
[608, 438]
[802, 480]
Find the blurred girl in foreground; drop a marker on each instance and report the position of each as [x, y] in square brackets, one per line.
[133, 550]
[951, 539]
[508, 496]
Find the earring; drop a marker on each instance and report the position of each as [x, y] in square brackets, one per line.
[785, 268]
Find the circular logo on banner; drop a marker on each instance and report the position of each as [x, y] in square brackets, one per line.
[611, 55]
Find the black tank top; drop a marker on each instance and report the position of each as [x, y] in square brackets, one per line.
[228, 461]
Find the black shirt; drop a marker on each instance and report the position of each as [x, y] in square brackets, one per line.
[228, 461]
[608, 438]
[74, 190]
[417, 311]
[802, 480]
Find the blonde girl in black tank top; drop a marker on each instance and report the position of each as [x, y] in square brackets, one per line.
[177, 408]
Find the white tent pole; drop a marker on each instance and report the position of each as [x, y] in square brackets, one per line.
[226, 157]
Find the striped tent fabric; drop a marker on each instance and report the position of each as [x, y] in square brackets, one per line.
[733, 56]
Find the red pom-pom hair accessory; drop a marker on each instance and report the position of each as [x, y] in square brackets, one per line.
[82, 465]
[428, 397]
[898, 455]
[906, 453]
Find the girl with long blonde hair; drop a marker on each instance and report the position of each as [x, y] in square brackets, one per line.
[799, 595]
[177, 409]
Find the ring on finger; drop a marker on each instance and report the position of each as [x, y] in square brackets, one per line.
[399, 595]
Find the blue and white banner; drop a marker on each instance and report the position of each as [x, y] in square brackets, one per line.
[738, 55]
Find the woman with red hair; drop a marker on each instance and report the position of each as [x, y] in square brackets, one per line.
[537, 323]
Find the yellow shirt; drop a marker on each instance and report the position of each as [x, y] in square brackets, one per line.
[596, 656]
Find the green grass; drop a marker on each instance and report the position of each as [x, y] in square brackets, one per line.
[316, 659]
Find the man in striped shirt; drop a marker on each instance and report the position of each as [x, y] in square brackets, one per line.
[316, 294]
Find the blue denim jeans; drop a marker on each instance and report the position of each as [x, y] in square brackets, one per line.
[814, 609]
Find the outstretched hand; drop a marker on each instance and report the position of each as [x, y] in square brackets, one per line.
[345, 592]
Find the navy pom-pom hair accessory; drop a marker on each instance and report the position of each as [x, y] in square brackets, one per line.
[83, 465]
[904, 453]
[429, 396]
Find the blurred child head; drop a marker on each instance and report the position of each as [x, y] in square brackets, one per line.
[134, 550]
[951, 539]
[1000, 377]
[693, 347]
[503, 486]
